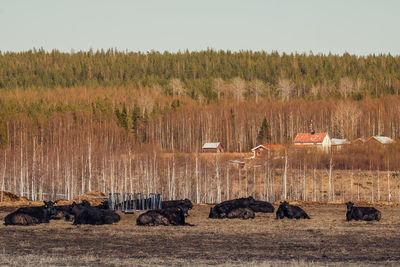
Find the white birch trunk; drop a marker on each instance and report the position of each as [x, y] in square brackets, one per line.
[197, 179]
[218, 179]
[285, 176]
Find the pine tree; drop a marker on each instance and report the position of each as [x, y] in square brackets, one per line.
[136, 120]
[264, 134]
[3, 134]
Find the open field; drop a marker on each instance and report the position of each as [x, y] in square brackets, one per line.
[325, 239]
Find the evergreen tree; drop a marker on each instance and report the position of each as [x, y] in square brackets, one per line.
[3, 134]
[264, 134]
[136, 120]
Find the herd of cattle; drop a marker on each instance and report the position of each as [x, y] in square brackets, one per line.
[173, 212]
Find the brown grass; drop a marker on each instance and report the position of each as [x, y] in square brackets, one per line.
[325, 239]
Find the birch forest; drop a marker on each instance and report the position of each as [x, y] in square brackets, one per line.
[135, 122]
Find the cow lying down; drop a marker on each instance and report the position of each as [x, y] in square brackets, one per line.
[243, 208]
[290, 211]
[362, 213]
[167, 216]
[185, 205]
[230, 209]
[31, 215]
[86, 214]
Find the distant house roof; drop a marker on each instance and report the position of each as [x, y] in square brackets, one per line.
[268, 146]
[383, 139]
[358, 140]
[310, 138]
[338, 142]
[211, 145]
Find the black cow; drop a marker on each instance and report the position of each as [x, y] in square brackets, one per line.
[91, 215]
[31, 215]
[185, 205]
[167, 216]
[104, 205]
[222, 209]
[174, 203]
[362, 213]
[290, 211]
[241, 213]
[261, 206]
[63, 212]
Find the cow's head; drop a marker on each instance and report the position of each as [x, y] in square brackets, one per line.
[185, 210]
[349, 205]
[285, 204]
[213, 213]
[85, 203]
[49, 207]
[188, 203]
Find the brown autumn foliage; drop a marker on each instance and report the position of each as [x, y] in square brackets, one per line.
[61, 143]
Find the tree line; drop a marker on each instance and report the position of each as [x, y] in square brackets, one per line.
[182, 124]
[207, 75]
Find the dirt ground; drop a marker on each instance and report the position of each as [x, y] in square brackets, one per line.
[327, 239]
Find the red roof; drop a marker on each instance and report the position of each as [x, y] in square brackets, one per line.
[310, 138]
[271, 147]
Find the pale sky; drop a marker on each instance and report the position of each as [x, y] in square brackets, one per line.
[355, 26]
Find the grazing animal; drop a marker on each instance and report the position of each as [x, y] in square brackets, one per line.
[241, 213]
[185, 205]
[168, 216]
[222, 209]
[31, 215]
[92, 215]
[362, 213]
[290, 211]
[261, 206]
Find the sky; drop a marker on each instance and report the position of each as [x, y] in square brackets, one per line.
[358, 27]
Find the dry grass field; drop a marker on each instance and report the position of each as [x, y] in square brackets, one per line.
[326, 239]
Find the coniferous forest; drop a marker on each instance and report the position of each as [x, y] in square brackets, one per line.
[130, 122]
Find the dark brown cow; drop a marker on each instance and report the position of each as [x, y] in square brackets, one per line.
[168, 216]
[31, 215]
[241, 213]
[362, 213]
[290, 211]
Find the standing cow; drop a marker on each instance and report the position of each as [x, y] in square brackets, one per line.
[362, 213]
[290, 211]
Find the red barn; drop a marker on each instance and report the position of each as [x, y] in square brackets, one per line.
[261, 151]
[213, 148]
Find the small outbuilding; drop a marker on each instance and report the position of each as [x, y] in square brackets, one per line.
[358, 141]
[337, 143]
[213, 148]
[379, 140]
[261, 151]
